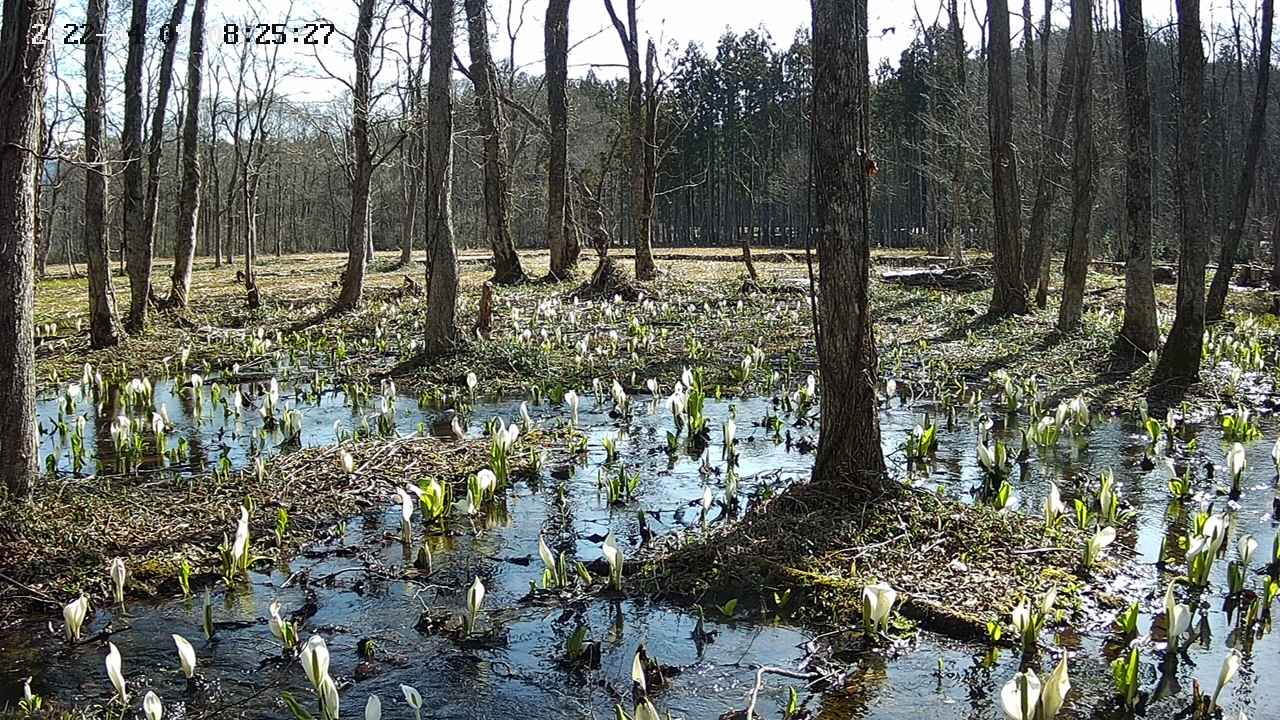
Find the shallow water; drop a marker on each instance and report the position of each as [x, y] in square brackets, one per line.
[518, 669]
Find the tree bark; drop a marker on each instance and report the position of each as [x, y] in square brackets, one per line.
[1180, 359]
[564, 252]
[637, 226]
[189, 194]
[1244, 187]
[138, 261]
[22, 84]
[1009, 297]
[1076, 267]
[955, 249]
[1139, 326]
[497, 172]
[442, 263]
[361, 163]
[102, 315]
[849, 448]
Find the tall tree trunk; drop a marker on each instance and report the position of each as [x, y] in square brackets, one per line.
[497, 173]
[102, 315]
[361, 165]
[133, 198]
[1180, 359]
[442, 262]
[955, 248]
[849, 445]
[1249, 171]
[564, 252]
[1009, 297]
[189, 195]
[1076, 267]
[1139, 326]
[21, 91]
[636, 226]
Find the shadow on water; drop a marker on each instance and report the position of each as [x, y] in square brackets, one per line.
[352, 587]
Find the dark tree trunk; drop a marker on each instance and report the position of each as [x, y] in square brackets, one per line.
[497, 172]
[1249, 171]
[1139, 326]
[102, 315]
[1076, 267]
[1009, 297]
[361, 164]
[1180, 359]
[564, 248]
[849, 449]
[132, 206]
[636, 224]
[189, 195]
[442, 262]
[955, 249]
[21, 92]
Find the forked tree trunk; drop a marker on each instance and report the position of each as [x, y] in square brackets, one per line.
[1076, 267]
[564, 253]
[102, 312]
[1009, 297]
[1052, 163]
[1180, 359]
[21, 91]
[1249, 171]
[189, 194]
[849, 449]
[497, 172]
[133, 210]
[442, 262]
[362, 164]
[1139, 326]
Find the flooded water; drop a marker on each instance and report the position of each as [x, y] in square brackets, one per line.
[353, 588]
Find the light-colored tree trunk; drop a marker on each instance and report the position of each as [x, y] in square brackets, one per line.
[1248, 172]
[102, 311]
[1009, 296]
[849, 450]
[497, 172]
[1180, 358]
[563, 243]
[442, 261]
[361, 164]
[1139, 326]
[133, 200]
[1076, 267]
[21, 91]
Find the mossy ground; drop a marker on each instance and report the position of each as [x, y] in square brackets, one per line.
[814, 539]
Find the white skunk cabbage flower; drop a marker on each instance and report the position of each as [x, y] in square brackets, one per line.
[406, 511]
[114, 673]
[1053, 506]
[151, 706]
[524, 415]
[1275, 453]
[1230, 664]
[730, 430]
[1177, 618]
[1235, 461]
[686, 378]
[890, 388]
[472, 380]
[614, 557]
[329, 702]
[651, 385]
[186, 656]
[413, 697]
[986, 457]
[315, 660]
[637, 672]
[548, 558]
[118, 575]
[878, 602]
[571, 399]
[1020, 696]
[1055, 690]
[475, 599]
[1101, 540]
[73, 614]
[1247, 546]
[706, 499]
[348, 462]
[373, 708]
[276, 623]
[240, 547]
[487, 480]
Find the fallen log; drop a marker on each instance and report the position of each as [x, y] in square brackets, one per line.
[969, 277]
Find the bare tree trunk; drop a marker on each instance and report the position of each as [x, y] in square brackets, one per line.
[1180, 359]
[133, 199]
[21, 92]
[1075, 269]
[849, 450]
[442, 262]
[497, 173]
[189, 194]
[564, 254]
[1009, 297]
[636, 226]
[955, 250]
[362, 163]
[1244, 188]
[102, 315]
[1139, 326]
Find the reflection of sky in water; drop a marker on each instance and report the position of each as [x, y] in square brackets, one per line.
[522, 676]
